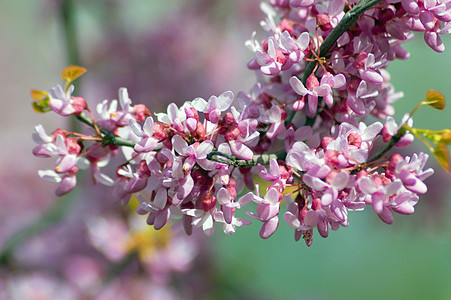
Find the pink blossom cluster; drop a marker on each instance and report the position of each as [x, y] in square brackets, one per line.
[301, 130]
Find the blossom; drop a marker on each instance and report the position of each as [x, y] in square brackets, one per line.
[147, 142]
[214, 106]
[63, 103]
[267, 211]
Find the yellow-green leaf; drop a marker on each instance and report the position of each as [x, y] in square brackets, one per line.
[38, 95]
[433, 136]
[70, 73]
[435, 99]
[41, 106]
[446, 137]
[442, 154]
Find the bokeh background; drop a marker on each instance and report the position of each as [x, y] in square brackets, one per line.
[172, 51]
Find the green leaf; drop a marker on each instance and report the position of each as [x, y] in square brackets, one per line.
[435, 99]
[442, 154]
[41, 105]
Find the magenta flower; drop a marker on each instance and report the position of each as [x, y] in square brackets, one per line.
[63, 104]
[147, 142]
[194, 153]
[66, 182]
[158, 209]
[214, 107]
[316, 89]
[272, 60]
[295, 49]
[410, 172]
[379, 195]
[267, 211]
[391, 128]
[174, 117]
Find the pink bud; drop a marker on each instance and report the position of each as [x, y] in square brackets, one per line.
[229, 119]
[72, 146]
[191, 112]
[141, 112]
[316, 204]
[323, 21]
[325, 141]
[312, 82]
[160, 131]
[331, 157]
[142, 169]
[299, 104]
[394, 161]
[285, 25]
[79, 105]
[200, 132]
[208, 202]
[232, 134]
[57, 133]
[360, 59]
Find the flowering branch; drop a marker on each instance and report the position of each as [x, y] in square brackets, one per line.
[199, 156]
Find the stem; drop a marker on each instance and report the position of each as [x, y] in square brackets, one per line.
[231, 160]
[108, 138]
[349, 19]
[395, 139]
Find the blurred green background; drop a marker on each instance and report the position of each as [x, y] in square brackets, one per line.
[410, 259]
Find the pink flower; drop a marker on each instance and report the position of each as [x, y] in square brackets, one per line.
[214, 107]
[267, 211]
[147, 142]
[63, 104]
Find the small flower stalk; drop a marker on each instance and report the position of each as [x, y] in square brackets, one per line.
[299, 144]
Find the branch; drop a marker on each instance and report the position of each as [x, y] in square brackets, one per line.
[232, 160]
[395, 139]
[392, 142]
[108, 138]
[349, 19]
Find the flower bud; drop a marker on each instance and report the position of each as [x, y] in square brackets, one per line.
[208, 202]
[79, 105]
[142, 169]
[299, 104]
[232, 134]
[160, 132]
[323, 21]
[200, 132]
[325, 141]
[312, 82]
[360, 59]
[316, 204]
[141, 112]
[72, 146]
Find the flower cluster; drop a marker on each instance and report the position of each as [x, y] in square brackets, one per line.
[301, 128]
